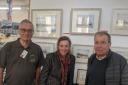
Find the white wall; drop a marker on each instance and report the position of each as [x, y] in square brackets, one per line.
[106, 15]
[66, 5]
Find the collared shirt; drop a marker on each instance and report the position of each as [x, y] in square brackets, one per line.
[19, 70]
[101, 58]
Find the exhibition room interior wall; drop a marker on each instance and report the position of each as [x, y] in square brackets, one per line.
[106, 6]
[81, 42]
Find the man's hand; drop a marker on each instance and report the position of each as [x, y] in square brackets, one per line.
[37, 80]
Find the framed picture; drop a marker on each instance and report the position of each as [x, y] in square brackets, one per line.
[85, 21]
[82, 53]
[121, 50]
[46, 47]
[79, 66]
[47, 22]
[120, 22]
[81, 75]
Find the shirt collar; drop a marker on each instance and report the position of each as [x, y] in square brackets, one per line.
[100, 58]
[18, 44]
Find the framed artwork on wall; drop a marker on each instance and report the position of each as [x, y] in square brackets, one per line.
[81, 75]
[85, 20]
[80, 67]
[82, 53]
[119, 22]
[46, 47]
[47, 22]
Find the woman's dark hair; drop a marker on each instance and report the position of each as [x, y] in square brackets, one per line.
[63, 38]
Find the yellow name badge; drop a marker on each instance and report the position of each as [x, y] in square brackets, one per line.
[24, 54]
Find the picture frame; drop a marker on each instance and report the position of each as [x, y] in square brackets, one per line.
[47, 22]
[85, 20]
[122, 51]
[81, 76]
[77, 67]
[119, 21]
[82, 53]
[46, 47]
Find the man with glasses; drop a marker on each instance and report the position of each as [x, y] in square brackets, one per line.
[106, 67]
[22, 58]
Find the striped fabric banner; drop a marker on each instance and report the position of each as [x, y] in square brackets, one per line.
[9, 13]
[9, 16]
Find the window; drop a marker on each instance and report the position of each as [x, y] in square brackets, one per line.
[11, 13]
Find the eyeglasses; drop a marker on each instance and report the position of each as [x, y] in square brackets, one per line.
[101, 43]
[25, 30]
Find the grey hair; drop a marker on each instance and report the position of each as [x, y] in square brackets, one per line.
[103, 33]
[26, 21]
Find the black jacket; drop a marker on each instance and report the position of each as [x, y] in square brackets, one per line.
[116, 70]
[51, 72]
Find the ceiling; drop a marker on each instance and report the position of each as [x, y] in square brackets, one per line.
[15, 2]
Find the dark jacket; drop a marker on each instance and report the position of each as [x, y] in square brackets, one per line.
[51, 74]
[116, 70]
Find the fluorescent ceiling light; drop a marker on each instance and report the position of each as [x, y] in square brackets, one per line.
[3, 8]
[14, 8]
